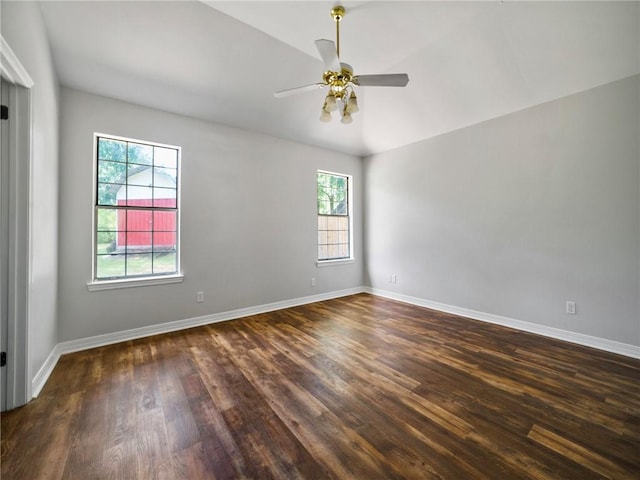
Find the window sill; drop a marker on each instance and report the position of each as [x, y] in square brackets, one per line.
[331, 263]
[133, 282]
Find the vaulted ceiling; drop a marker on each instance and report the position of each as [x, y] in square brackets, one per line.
[221, 61]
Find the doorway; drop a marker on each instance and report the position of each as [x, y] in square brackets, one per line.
[15, 241]
[4, 241]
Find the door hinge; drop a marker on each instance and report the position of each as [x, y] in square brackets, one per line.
[4, 112]
[3, 359]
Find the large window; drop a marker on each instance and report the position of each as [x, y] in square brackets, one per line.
[136, 209]
[334, 217]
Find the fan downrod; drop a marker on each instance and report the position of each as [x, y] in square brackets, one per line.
[337, 13]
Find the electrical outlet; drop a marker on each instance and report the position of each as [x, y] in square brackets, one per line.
[199, 297]
[571, 308]
[394, 278]
[313, 281]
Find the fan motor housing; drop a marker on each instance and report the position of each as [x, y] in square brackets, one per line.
[338, 80]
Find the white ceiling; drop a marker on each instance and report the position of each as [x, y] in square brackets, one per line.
[221, 61]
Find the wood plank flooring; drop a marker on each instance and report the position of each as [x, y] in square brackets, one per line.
[354, 388]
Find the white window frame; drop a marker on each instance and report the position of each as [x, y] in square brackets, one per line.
[138, 281]
[351, 258]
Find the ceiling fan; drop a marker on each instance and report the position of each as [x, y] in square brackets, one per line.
[340, 79]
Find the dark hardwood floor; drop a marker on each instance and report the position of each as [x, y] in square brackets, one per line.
[354, 388]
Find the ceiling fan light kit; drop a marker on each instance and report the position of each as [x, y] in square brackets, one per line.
[340, 79]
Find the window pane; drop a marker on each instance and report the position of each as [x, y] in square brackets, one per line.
[323, 179]
[164, 241]
[333, 242]
[165, 221]
[165, 177]
[106, 234]
[138, 242]
[106, 243]
[323, 206]
[106, 219]
[112, 172]
[103, 239]
[139, 220]
[109, 266]
[107, 193]
[165, 157]
[164, 197]
[139, 264]
[139, 175]
[165, 262]
[114, 150]
[332, 194]
[139, 196]
[140, 154]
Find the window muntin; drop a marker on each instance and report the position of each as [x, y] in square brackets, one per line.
[136, 209]
[334, 220]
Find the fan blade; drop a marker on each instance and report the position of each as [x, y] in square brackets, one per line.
[293, 91]
[328, 52]
[382, 80]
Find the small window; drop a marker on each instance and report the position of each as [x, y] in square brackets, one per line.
[136, 209]
[334, 216]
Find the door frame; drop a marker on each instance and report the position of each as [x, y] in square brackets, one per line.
[19, 388]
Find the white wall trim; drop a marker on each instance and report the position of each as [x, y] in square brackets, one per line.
[98, 285]
[45, 371]
[565, 335]
[11, 68]
[110, 338]
[334, 263]
[20, 228]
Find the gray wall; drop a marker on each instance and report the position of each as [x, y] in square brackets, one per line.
[24, 31]
[517, 215]
[511, 217]
[248, 219]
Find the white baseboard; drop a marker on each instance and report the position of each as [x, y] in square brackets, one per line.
[45, 371]
[110, 338]
[565, 335]
[101, 340]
